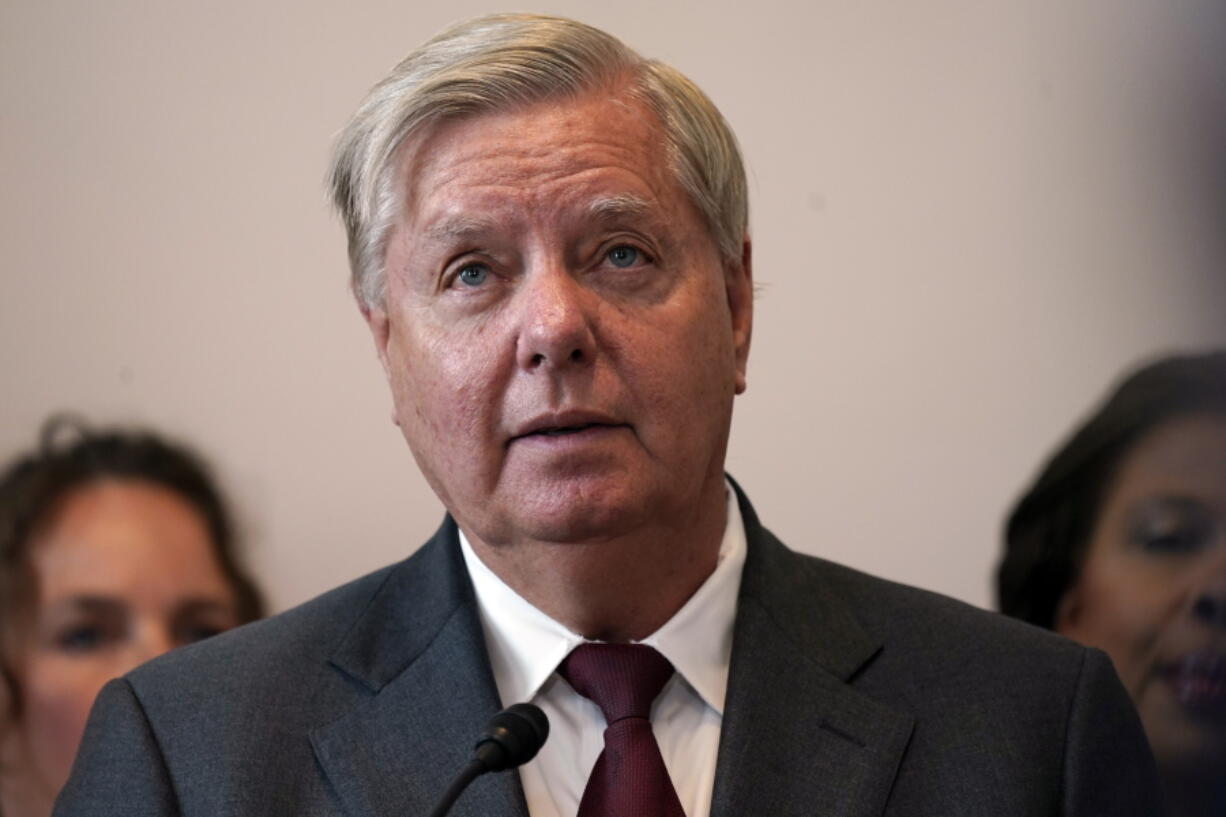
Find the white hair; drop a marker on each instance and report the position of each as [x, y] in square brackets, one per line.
[505, 61]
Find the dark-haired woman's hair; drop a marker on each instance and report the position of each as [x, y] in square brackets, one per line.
[1047, 533]
[71, 456]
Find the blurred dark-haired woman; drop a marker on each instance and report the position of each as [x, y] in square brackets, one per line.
[1121, 544]
[115, 546]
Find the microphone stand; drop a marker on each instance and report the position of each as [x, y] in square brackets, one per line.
[511, 738]
[474, 769]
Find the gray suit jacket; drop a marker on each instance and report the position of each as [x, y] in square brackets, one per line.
[849, 696]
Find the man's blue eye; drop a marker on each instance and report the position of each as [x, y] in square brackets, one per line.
[623, 256]
[473, 275]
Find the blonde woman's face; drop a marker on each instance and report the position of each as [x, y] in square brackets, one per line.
[125, 571]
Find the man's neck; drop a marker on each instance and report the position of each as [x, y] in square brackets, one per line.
[619, 589]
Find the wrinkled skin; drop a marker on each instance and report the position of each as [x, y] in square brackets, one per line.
[563, 341]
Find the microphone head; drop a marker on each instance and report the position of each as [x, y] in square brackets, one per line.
[512, 737]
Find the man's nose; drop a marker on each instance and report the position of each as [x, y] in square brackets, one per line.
[556, 329]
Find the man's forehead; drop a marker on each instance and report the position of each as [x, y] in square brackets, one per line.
[484, 194]
[451, 223]
[591, 131]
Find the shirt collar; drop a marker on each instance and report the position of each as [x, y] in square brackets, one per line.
[525, 645]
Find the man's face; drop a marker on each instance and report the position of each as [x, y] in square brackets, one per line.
[562, 340]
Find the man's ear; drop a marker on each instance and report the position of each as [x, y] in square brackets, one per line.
[376, 321]
[739, 284]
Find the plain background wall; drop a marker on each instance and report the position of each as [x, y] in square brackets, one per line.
[968, 217]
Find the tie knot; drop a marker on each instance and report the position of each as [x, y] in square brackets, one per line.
[622, 679]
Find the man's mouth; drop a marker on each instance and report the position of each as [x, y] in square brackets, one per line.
[566, 423]
[564, 430]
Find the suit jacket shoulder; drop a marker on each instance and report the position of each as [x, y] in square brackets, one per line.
[853, 695]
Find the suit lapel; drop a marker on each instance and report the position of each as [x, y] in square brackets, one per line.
[797, 737]
[417, 663]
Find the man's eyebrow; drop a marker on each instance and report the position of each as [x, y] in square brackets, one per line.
[605, 208]
[619, 206]
[451, 229]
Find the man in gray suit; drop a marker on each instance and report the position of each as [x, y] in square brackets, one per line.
[548, 238]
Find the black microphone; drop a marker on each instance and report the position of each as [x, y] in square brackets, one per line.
[510, 739]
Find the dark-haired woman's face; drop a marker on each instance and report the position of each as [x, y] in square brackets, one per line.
[125, 571]
[1152, 591]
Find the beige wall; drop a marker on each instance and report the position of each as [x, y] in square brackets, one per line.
[968, 217]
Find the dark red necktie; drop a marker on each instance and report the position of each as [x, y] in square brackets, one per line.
[629, 779]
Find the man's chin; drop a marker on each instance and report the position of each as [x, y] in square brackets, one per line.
[566, 517]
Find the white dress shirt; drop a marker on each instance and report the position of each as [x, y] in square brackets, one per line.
[526, 646]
